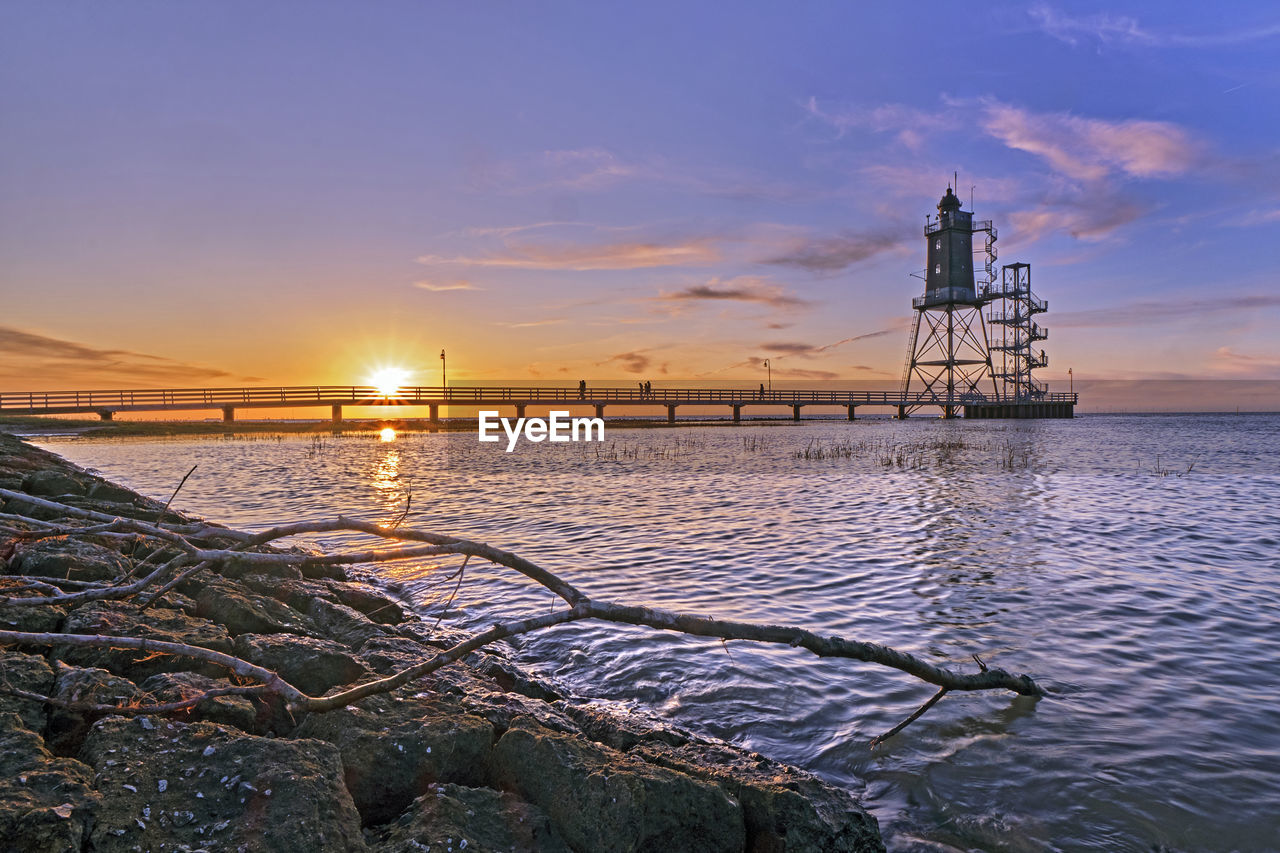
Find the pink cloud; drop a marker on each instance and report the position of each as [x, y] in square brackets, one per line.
[1090, 149]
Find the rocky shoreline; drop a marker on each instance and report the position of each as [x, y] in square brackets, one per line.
[477, 756]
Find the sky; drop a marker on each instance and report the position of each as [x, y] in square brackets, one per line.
[207, 194]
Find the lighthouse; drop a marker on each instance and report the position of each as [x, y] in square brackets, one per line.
[949, 351]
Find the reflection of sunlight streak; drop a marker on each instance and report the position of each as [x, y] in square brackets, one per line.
[386, 475]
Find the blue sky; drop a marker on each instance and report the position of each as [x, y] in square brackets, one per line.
[217, 193]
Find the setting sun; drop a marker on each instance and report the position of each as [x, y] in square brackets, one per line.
[387, 434]
[388, 380]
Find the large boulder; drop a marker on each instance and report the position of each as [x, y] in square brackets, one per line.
[243, 612]
[394, 746]
[377, 606]
[32, 674]
[47, 804]
[187, 786]
[451, 817]
[54, 483]
[785, 808]
[73, 559]
[121, 619]
[33, 618]
[85, 687]
[344, 624]
[602, 800]
[313, 666]
[229, 709]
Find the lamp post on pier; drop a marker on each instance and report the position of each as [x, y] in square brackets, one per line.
[444, 383]
[769, 373]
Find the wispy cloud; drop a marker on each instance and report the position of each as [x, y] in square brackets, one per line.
[803, 350]
[741, 289]
[634, 361]
[1227, 360]
[1150, 312]
[30, 357]
[833, 254]
[442, 286]
[1085, 216]
[1108, 29]
[910, 126]
[1090, 149]
[589, 168]
[615, 256]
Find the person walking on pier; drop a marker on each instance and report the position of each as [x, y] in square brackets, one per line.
[582, 389]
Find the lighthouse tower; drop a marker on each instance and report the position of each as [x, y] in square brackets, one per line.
[949, 353]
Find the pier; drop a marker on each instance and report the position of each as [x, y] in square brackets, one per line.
[105, 404]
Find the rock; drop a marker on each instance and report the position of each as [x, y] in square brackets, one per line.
[124, 620]
[30, 509]
[91, 686]
[393, 746]
[375, 605]
[343, 624]
[33, 618]
[168, 785]
[229, 710]
[32, 674]
[73, 559]
[603, 800]
[512, 678]
[47, 804]
[621, 730]
[298, 593]
[785, 809]
[243, 612]
[451, 817]
[53, 483]
[101, 490]
[238, 569]
[313, 666]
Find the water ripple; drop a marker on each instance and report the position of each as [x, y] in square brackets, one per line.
[1145, 601]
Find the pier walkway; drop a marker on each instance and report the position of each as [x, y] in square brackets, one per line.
[105, 404]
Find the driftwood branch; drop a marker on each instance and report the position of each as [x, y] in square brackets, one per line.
[191, 542]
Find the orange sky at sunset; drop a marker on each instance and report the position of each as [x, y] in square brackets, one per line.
[205, 196]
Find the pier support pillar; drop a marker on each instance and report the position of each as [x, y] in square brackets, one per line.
[902, 413]
[433, 412]
[671, 414]
[335, 414]
[228, 414]
[852, 416]
[795, 413]
[599, 410]
[737, 413]
[106, 414]
[520, 410]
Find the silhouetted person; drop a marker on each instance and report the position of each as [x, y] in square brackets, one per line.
[582, 388]
[762, 389]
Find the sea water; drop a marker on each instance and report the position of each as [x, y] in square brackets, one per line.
[1130, 564]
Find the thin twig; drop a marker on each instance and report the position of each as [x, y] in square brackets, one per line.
[876, 741]
[461, 571]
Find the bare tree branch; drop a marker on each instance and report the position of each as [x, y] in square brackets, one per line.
[193, 556]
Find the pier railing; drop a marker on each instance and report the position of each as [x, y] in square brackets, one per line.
[106, 402]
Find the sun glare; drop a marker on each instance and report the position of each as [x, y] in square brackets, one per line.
[387, 434]
[389, 380]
